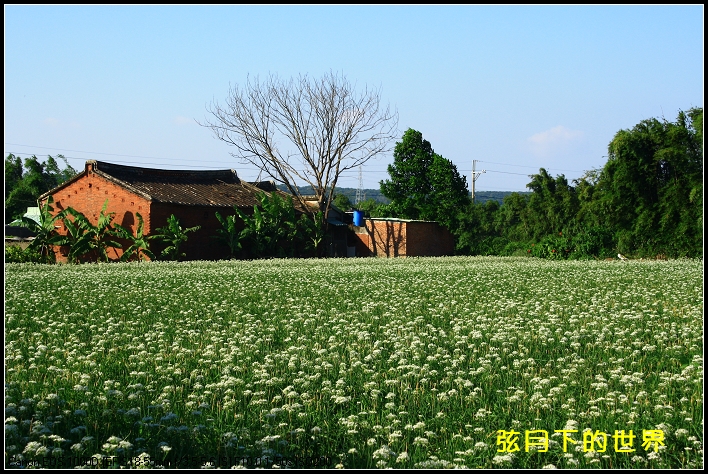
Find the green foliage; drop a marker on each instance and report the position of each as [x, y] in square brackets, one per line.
[475, 233]
[552, 247]
[312, 230]
[24, 185]
[273, 230]
[229, 234]
[173, 236]
[551, 206]
[89, 242]
[593, 242]
[448, 193]
[139, 248]
[342, 201]
[647, 185]
[371, 207]
[423, 185]
[646, 201]
[13, 174]
[16, 254]
[46, 235]
[409, 187]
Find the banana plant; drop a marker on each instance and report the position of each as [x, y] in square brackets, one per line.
[174, 236]
[88, 241]
[272, 230]
[229, 234]
[46, 232]
[254, 231]
[312, 229]
[139, 248]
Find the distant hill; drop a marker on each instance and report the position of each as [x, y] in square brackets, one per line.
[484, 196]
[349, 192]
[480, 196]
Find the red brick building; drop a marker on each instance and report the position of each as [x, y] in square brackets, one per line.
[192, 196]
[387, 237]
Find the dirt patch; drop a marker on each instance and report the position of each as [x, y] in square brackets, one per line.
[17, 243]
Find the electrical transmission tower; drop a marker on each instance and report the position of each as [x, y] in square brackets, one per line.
[360, 190]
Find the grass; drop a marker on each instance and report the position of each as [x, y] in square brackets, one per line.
[407, 363]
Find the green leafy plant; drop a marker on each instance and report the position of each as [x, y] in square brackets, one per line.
[594, 242]
[139, 248]
[173, 235]
[552, 247]
[16, 254]
[423, 184]
[272, 229]
[229, 233]
[312, 230]
[46, 232]
[89, 242]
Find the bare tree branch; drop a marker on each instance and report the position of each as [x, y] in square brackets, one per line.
[304, 130]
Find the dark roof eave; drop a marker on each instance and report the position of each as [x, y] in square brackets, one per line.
[250, 188]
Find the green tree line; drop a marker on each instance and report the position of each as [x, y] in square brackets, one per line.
[24, 183]
[647, 200]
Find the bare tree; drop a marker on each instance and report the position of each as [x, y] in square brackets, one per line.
[304, 130]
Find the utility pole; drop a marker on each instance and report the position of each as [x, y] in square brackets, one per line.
[475, 175]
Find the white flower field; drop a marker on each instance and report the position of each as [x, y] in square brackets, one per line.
[411, 363]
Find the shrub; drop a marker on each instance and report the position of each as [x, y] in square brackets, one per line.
[595, 242]
[16, 254]
[553, 247]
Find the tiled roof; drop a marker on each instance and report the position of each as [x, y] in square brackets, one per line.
[217, 188]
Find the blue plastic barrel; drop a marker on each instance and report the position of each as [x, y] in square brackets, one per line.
[358, 218]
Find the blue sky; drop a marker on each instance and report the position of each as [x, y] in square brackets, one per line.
[516, 87]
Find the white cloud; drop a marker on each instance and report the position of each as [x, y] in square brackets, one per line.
[554, 141]
[51, 121]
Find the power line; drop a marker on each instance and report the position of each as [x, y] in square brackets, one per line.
[139, 156]
[527, 166]
[506, 172]
[349, 174]
[98, 153]
[127, 162]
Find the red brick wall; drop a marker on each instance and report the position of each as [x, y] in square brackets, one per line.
[362, 244]
[88, 194]
[390, 238]
[429, 239]
[200, 244]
